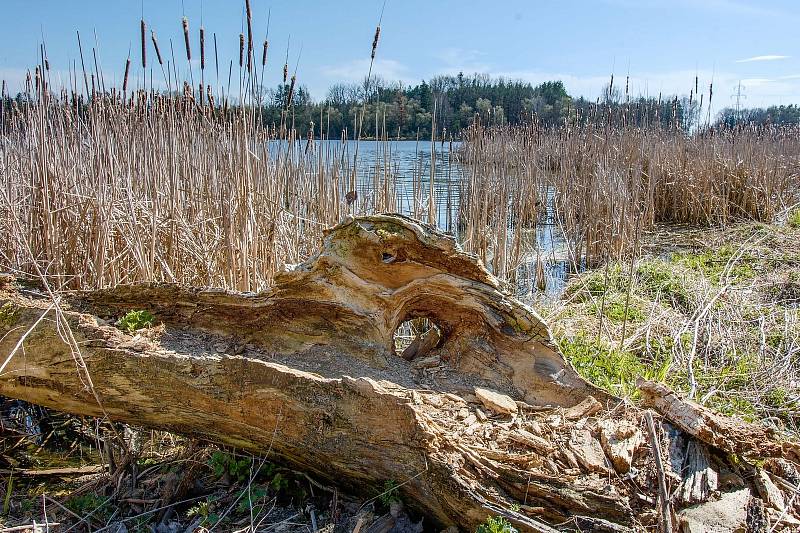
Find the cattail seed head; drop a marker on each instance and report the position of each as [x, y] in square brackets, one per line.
[186, 39]
[249, 35]
[264, 53]
[143, 27]
[127, 71]
[290, 95]
[202, 48]
[241, 50]
[375, 41]
[285, 72]
[155, 45]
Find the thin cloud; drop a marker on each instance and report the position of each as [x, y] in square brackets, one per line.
[763, 58]
[356, 70]
[457, 60]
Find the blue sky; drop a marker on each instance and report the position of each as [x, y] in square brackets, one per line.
[662, 44]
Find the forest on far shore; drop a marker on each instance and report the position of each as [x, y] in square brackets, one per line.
[458, 101]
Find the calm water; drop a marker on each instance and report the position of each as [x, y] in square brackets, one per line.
[410, 163]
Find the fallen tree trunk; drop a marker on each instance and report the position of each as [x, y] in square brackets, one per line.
[490, 420]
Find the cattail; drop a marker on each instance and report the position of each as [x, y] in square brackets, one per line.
[290, 95]
[144, 44]
[216, 56]
[127, 71]
[47, 64]
[285, 71]
[375, 41]
[202, 48]
[249, 35]
[241, 50]
[155, 45]
[186, 39]
[264, 53]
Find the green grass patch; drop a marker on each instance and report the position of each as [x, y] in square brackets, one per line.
[657, 278]
[598, 282]
[712, 264]
[609, 368]
[9, 314]
[614, 309]
[794, 218]
[98, 507]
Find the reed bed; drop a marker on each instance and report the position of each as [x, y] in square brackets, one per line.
[604, 185]
[157, 188]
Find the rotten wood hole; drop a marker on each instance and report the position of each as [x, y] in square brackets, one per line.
[481, 417]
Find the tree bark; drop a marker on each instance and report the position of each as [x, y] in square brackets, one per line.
[307, 372]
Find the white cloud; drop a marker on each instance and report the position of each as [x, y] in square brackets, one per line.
[457, 60]
[357, 70]
[763, 58]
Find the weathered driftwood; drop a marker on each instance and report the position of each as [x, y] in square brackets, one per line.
[307, 372]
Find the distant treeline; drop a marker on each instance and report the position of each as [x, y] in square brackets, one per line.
[393, 110]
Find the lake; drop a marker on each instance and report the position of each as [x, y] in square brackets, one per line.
[410, 163]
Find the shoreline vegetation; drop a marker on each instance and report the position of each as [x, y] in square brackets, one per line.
[682, 237]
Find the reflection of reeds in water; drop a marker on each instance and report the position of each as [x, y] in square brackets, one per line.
[608, 184]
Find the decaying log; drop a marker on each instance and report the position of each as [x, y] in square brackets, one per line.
[725, 433]
[307, 372]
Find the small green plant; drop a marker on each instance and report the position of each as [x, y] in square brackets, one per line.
[279, 483]
[496, 524]
[136, 320]
[251, 498]
[391, 493]
[223, 463]
[205, 511]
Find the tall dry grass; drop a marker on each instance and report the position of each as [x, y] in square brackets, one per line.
[604, 185]
[158, 188]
